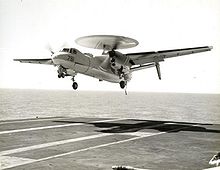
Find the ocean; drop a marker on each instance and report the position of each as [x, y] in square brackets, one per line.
[195, 108]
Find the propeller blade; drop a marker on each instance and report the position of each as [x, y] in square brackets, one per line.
[116, 45]
[49, 48]
[65, 44]
[111, 53]
[106, 63]
[60, 46]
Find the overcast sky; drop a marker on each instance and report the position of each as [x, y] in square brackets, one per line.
[27, 26]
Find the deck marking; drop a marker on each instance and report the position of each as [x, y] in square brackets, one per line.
[56, 126]
[108, 120]
[77, 151]
[213, 168]
[107, 144]
[126, 167]
[11, 161]
[40, 128]
[54, 118]
[32, 120]
[45, 145]
[93, 147]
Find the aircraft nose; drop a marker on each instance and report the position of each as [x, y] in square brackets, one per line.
[57, 59]
[62, 58]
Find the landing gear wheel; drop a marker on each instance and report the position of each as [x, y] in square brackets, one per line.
[122, 84]
[75, 85]
[61, 75]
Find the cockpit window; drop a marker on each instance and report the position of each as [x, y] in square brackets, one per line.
[69, 50]
[65, 50]
[73, 51]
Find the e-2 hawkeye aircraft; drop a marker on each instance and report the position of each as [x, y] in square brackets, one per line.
[112, 65]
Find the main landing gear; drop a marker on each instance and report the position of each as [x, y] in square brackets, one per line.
[61, 75]
[62, 72]
[75, 85]
[123, 84]
[123, 76]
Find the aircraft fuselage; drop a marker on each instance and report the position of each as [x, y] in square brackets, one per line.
[76, 62]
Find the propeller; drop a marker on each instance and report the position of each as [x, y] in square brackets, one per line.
[116, 45]
[105, 64]
[49, 48]
[112, 55]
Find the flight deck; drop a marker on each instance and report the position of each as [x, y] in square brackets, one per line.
[102, 143]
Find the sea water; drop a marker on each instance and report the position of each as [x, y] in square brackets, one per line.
[195, 108]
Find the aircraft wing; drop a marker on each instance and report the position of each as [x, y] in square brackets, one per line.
[47, 61]
[157, 56]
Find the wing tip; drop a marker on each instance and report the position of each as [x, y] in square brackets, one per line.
[210, 47]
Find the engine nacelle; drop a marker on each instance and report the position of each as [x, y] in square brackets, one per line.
[117, 57]
[116, 68]
[119, 62]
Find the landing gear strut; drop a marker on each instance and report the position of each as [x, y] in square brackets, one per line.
[75, 85]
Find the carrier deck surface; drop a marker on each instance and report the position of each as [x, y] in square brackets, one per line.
[99, 143]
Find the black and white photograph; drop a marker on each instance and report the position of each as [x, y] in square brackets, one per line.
[109, 84]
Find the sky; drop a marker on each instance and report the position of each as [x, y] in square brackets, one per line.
[28, 26]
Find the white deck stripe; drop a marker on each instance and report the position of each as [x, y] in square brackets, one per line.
[126, 167]
[213, 168]
[32, 120]
[107, 144]
[48, 119]
[11, 161]
[44, 145]
[55, 126]
[94, 147]
[40, 128]
[108, 120]
[80, 150]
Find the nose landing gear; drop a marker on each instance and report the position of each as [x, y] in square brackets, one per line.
[75, 85]
[61, 72]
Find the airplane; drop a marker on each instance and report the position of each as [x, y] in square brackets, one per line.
[112, 66]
